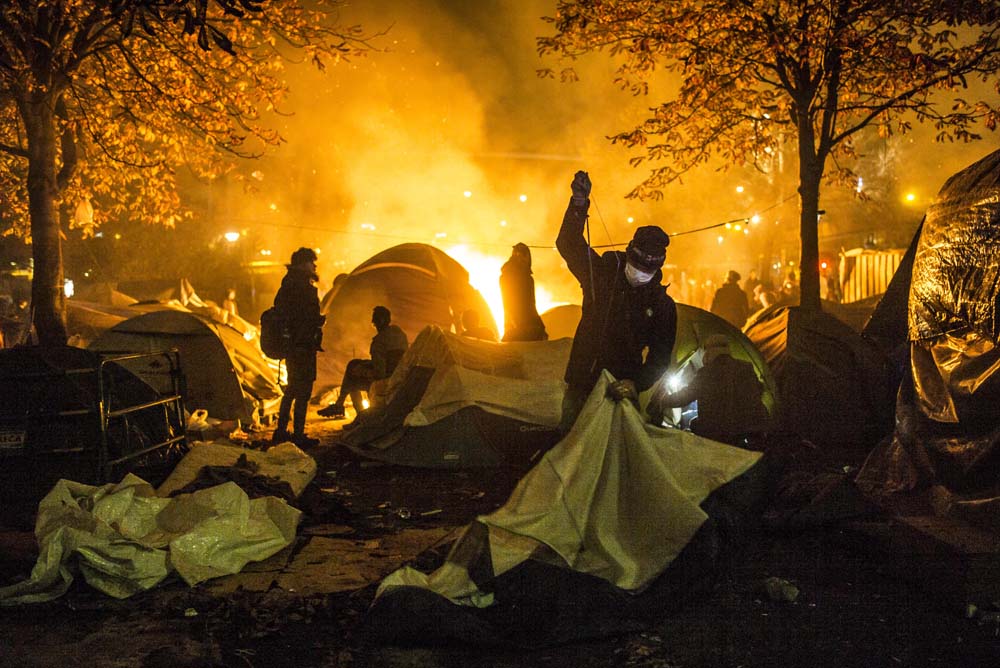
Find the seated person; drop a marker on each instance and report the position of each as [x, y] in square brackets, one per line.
[728, 393]
[472, 328]
[387, 348]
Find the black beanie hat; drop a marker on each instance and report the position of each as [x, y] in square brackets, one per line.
[648, 249]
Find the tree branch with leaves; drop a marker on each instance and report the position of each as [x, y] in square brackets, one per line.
[746, 78]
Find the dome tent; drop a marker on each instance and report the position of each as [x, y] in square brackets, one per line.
[225, 374]
[458, 402]
[420, 284]
[834, 384]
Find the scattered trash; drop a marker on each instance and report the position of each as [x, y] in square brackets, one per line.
[778, 589]
[190, 612]
[478, 495]
[403, 513]
[330, 474]
[430, 512]
[329, 490]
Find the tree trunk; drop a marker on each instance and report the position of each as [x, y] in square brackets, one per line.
[48, 302]
[810, 175]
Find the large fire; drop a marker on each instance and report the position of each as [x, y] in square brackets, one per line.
[484, 276]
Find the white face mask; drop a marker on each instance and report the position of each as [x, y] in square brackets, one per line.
[636, 277]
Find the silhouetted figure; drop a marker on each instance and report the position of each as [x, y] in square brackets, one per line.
[473, 328]
[517, 287]
[387, 348]
[229, 307]
[730, 302]
[298, 301]
[626, 310]
[728, 393]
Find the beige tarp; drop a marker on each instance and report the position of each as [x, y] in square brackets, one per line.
[126, 539]
[517, 380]
[617, 498]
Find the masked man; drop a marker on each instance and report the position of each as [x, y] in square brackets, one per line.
[626, 310]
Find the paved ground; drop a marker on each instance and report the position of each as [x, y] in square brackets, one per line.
[865, 596]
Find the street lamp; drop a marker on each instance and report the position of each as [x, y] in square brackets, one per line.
[231, 237]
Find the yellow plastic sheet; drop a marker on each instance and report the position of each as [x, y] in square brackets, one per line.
[125, 539]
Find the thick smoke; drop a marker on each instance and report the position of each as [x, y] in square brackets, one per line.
[383, 150]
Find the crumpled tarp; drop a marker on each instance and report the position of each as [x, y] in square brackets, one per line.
[125, 539]
[617, 499]
[523, 381]
[284, 461]
[946, 427]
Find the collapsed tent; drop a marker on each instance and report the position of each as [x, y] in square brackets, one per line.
[225, 373]
[459, 402]
[834, 385]
[615, 523]
[947, 431]
[420, 284]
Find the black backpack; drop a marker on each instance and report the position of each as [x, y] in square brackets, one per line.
[275, 334]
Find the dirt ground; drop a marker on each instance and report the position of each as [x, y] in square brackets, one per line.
[852, 609]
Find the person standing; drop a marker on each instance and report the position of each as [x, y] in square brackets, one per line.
[517, 287]
[297, 301]
[730, 302]
[387, 348]
[626, 309]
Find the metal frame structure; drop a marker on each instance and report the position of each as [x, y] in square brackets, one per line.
[106, 414]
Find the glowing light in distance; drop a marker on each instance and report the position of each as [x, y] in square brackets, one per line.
[823, 265]
[755, 219]
[674, 382]
[318, 250]
[737, 227]
[739, 189]
[523, 198]
[265, 251]
[484, 276]
[273, 207]
[368, 226]
[231, 237]
[467, 193]
[631, 219]
[729, 226]
[910, 197]
[746, 230]
[117, 235]
[719, 239]
[861, 184]
[503, 223]
[365, 404]
[68, 288]
[440, 235]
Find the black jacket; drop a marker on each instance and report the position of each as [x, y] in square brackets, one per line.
[619, 321]
[299, 300]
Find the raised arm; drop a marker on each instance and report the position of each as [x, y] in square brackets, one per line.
[571, 243]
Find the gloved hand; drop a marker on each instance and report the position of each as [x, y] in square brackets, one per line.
[581, 186]
[623, 389]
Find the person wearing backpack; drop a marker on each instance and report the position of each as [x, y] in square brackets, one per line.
[297, 303]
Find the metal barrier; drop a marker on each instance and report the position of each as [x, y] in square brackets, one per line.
[92, 436]
[108, 413]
